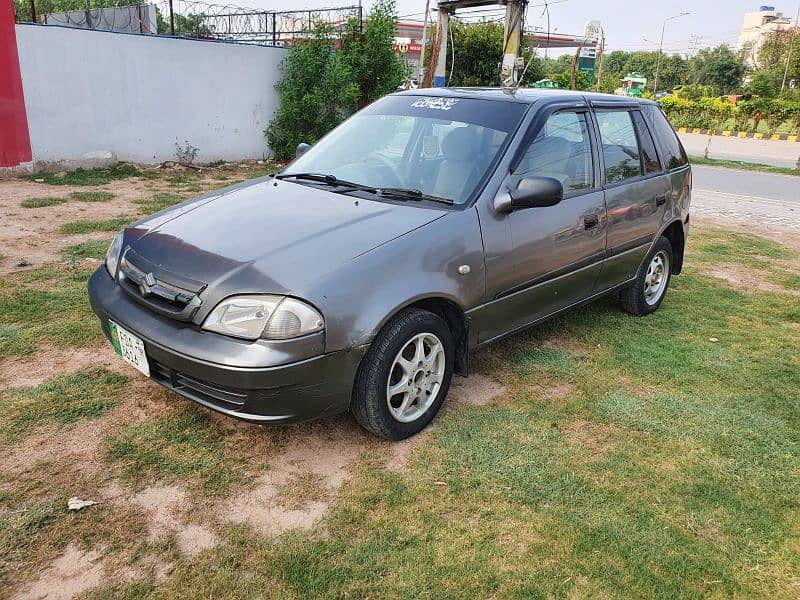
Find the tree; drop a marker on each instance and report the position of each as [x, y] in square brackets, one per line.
[371, 57]
[327, 77]
[763, 84]
[615, 63]
[719, 67]
[317, 91]
[478, 51]
[774, 53]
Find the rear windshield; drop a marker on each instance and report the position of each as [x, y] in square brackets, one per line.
[672, 152]
[444, 147]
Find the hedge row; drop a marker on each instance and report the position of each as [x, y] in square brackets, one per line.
[719, 113]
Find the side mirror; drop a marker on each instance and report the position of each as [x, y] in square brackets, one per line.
[302, 148]
[531, 192]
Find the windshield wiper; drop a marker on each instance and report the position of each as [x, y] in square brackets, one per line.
[412, 194]
[331, 180]
[388, 192]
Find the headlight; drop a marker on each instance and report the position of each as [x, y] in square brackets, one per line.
[112, 255]
[264, 316]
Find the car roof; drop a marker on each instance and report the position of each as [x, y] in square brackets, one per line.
[523, 95]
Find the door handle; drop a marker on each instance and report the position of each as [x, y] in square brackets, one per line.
[661, 200]
[590, 221]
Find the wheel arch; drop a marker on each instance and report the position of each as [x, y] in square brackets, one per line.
[455, 317]
[677, 238]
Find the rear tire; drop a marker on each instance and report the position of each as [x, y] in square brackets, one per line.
[647, 292]
[405, 375]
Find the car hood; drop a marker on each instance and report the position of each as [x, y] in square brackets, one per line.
[269, 235]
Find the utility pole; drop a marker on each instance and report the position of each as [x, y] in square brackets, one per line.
[424, 41]
[511, 67]
[791, 47]
[438, 59]
[661, 46]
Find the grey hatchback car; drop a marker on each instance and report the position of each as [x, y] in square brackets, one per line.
[429, 224]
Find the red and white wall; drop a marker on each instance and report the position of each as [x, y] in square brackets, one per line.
[15, 144]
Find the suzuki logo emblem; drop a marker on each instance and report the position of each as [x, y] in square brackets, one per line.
[147, 284]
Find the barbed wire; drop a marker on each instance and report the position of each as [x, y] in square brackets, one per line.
[189, 18]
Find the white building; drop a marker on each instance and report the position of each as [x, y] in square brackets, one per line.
[757, 27]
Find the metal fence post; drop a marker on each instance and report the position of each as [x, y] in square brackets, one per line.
[171, 19]
[274, 29]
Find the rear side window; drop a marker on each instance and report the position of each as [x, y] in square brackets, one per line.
[620, 145]
[672, 151]
[649, 156]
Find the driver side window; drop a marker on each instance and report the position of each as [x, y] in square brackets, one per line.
[561, 150]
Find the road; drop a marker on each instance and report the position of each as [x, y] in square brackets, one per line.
[747, 197]
[768, 152]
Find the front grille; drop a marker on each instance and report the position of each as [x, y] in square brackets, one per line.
[167, 293]
[195, 389]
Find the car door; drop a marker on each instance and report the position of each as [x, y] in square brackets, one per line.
[636, 191]
[555, 252]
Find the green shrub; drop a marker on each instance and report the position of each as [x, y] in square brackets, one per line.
[325, 78]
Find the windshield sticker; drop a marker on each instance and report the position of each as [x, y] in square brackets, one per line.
[435, 103]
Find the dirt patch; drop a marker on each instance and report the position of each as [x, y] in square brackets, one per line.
[558, 391]
[25, 371]
[400, 452]
[74, 452]
[70, 575]
[746, 279]
[595, 438]
[318, 453]
[193, 539]
[475, 390]
[162, 506]
[33, 233]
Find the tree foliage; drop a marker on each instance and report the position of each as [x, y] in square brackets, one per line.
[317, 91]
[719, 67]
[371, 57]
[325, 78]
[478, 52]
[765, 84]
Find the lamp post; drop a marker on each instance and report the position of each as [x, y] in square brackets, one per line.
[661, 45]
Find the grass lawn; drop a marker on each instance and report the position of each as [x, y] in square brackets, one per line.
[627, 458]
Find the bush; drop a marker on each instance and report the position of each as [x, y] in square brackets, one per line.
[317, 92]
[326, 78]
[716, 113]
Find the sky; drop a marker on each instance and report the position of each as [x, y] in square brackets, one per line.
[629, 25]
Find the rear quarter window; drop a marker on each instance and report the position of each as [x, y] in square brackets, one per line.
[669, 145]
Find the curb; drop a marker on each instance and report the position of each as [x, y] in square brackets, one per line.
[741, 134]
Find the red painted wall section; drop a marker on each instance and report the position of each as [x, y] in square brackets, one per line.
[15, 143]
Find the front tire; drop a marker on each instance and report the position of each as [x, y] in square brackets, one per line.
[405, 375]
[647, 292]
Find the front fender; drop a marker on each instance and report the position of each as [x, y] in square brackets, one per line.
[362, 295]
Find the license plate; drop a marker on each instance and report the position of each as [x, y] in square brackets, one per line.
[129, 347]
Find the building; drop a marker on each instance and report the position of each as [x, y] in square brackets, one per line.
[408, 43]
[756, 29]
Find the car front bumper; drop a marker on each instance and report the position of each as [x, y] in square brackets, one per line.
[220, 373]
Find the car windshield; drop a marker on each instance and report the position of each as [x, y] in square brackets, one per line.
[440, 147]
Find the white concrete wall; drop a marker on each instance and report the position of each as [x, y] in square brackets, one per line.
[138, 95]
